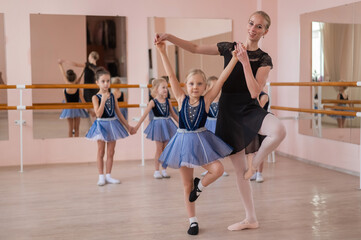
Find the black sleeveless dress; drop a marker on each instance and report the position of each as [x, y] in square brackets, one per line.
[257, 141]
[240, 117]
[89, 78]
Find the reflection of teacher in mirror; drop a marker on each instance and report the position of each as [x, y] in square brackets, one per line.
[240, 118]
[72, 95]
[342, 95]
[89, 76]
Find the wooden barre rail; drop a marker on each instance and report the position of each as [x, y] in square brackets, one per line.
[2, 107]
[341, 101]
[47, 106]
[7, 86]
[328, 112]
[324, 84]
[300, 84]
[356, 109]
[86, 86]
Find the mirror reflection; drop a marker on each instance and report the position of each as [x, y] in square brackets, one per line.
[69, 49]
[200, 31]
[4, 128]
[335, 57]
[333, 61]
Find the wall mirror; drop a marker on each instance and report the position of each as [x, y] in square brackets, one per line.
[4, 127]
[330, 52]
[71, 38]
[200, 31]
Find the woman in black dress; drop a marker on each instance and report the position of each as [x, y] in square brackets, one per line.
[240, 118]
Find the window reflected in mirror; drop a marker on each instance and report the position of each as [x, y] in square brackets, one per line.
[76, 45]
[332, 61]
[4, 126]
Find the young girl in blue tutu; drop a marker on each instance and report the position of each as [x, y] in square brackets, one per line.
[193, 145]
[72, 95]
[106, 129]
[161, 128]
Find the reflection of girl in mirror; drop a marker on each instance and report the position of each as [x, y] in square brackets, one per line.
[72, 95]
[161, 128]
[240, 118]
[1, 78]
[89, 76]
[342, 95]
[193, 145]
[120, 94]
[106, 129]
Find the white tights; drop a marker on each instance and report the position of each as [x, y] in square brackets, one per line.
[275, 132]
[244, 186]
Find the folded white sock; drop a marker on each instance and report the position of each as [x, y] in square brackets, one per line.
[192, 220]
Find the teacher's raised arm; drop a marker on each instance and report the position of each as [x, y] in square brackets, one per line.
[209, 49]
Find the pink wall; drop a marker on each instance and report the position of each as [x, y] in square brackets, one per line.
[17, 32]
[3, 95]
[333, 153]
[284, 32]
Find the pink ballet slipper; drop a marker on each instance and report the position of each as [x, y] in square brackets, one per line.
[243, 225]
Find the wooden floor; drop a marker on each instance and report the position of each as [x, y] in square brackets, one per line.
[296, 201]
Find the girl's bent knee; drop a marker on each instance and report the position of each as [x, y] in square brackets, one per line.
[217, 169]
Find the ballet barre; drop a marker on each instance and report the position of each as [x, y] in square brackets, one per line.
[85, 86]
[48, 106]
[355, 109]
[327, 112]
[142, 104]
[341, 101]
[322, 84]
[350, 111]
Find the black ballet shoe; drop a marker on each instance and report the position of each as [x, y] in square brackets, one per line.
[195, 192]
[193, 229]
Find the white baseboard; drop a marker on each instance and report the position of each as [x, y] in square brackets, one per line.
[318, 164]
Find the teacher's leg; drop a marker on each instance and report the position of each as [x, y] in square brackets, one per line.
[275, 132]
[244, 186]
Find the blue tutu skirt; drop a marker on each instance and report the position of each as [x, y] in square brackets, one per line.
[211, 124]
[107, 130]
[193, 148]
[340, 116]
[73, 113]
[124, 111]
[160, 129]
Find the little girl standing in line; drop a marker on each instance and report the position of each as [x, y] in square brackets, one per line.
[72, 95]
[106, 129]
[161, 128]
[193, 145]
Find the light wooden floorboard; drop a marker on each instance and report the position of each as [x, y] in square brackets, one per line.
[296, 201]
